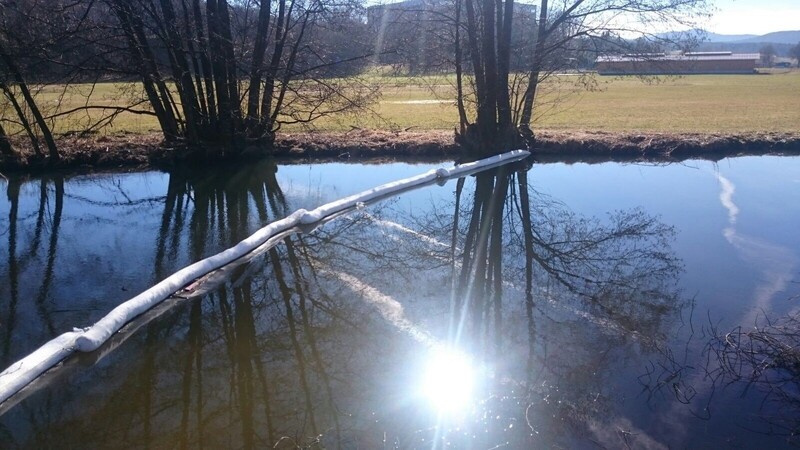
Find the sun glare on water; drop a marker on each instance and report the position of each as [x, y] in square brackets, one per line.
[448, 380]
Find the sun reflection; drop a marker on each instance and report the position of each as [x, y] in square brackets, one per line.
[448, 380]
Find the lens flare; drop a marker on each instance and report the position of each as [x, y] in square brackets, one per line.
[448, 380]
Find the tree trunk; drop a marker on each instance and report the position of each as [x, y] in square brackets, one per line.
[192, 55]
[44, 129]
[205, 63]
[219, 69]
[181, 73]
[533, 81]
[462, 112]
[487, 108]
[259, 50]
[230, 65]
[26, 125]
[154, 87]
[5, 145]
[272, 72]
[504, 66]
[474, 51]
[154, 74]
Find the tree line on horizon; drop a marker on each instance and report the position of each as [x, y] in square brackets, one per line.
[223, 76]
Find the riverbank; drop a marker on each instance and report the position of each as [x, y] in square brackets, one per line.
[132, 151]
[566, 146]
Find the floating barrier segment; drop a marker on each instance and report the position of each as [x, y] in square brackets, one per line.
[26, 370]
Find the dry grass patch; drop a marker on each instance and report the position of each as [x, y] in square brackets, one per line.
[689, 104]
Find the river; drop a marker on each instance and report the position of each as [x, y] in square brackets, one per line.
[554, 305]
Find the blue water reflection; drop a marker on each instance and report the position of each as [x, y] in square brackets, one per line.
[590, 319]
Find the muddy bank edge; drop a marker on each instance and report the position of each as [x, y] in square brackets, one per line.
[143, 151]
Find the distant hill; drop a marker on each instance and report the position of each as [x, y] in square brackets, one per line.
[778, 37]
[742, 47]
[781, 41]
[714, 37]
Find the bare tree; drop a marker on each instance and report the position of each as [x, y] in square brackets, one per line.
[50, 46]
[15, 87]
[220, 76]
[207, 48]
[505, 101]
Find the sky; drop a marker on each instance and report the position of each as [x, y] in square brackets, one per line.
[732, 16]
[754, 16]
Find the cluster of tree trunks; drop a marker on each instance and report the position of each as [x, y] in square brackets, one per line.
[205, 70]
[30, 103]
[505, 100]
[222, 76]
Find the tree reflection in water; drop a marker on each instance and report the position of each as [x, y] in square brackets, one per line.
[317, 343]
[753, 368]
[48, 220]
[592, 290]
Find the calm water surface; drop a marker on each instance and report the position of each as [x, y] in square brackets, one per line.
[572, 306]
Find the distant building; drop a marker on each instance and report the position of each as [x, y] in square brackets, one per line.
[678, 64]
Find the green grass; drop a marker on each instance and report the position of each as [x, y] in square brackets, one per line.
[697, 103]
[60, 98]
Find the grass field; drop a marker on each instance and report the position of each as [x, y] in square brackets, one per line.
[697, 104]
